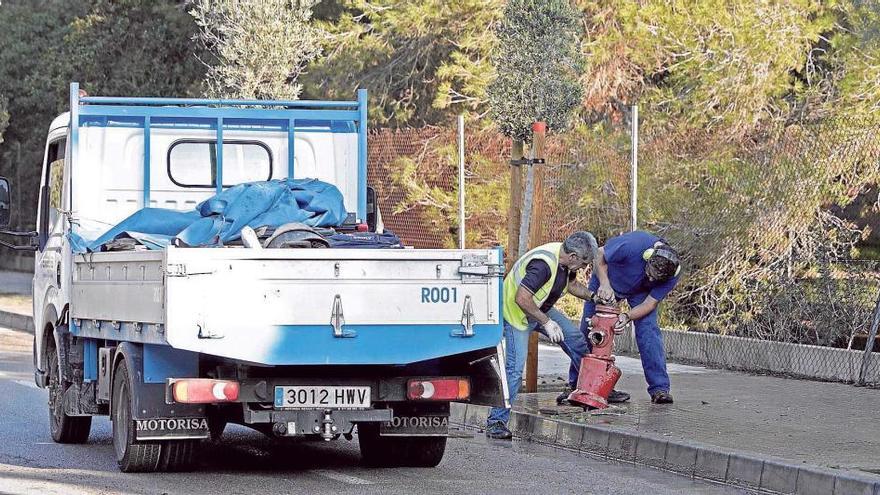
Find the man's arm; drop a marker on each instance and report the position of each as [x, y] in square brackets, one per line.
[651, 302]
[642, 310]
[602, 268]
[605, 292]
[524, 300]
[580, 290]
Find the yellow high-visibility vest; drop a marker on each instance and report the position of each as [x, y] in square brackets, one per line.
[513, 314]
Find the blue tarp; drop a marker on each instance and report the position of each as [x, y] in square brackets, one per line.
[220, 218]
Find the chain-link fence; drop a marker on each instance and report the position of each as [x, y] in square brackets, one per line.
[775, 232]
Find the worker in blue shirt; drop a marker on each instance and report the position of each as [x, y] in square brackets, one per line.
[641, 268]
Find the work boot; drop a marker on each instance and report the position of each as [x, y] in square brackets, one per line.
[616, 397]
[661, 397]
[562, 398]
[498, 431]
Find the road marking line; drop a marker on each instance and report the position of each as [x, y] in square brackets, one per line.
[26, 383]
[337, 476]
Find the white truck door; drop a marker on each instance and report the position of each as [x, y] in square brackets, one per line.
[51, 228]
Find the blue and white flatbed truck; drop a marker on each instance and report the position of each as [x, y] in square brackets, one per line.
[175, 343]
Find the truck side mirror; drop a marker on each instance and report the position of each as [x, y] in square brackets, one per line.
[5, 203]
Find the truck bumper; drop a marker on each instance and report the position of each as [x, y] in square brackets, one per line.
[328, 423]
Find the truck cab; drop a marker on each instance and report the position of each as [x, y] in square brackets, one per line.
[174, 342]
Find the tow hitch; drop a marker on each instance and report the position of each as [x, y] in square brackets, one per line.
[328, 430]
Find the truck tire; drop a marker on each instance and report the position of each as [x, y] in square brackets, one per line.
[131, 456]
[178, 455]
[64, 428]
[379, 451]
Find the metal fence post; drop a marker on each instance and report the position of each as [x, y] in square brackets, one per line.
[461, 181]
[869, 344]
[634, 172]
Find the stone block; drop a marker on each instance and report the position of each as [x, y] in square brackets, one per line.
[681, 458]
[779, 477]
[745, 470]
[711, 464]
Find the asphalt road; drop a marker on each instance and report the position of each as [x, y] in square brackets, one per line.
[247, 462]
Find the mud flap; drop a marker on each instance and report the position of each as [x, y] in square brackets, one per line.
[417, 420]
[148, 402]
[489, 380]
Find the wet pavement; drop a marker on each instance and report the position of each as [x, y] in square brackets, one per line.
[824, 424]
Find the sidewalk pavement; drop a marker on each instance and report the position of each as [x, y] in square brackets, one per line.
[15, 282]
[15, 300]
[778, 434]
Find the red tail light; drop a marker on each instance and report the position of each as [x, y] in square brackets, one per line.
[362, 227]
[438, 389]
[204, 391]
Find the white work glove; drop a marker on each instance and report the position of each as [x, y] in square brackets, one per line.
[554, 331]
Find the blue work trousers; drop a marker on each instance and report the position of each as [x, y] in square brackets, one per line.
[574, 345]
[648, 338]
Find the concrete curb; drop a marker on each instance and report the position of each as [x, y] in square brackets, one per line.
[698, 460]
[16, 321]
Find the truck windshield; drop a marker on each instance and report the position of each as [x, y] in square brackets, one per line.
[193, 163]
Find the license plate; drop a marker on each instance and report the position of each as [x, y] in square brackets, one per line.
[309, 397]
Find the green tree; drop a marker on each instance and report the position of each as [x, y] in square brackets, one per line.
[259, 49]
[851, 84]
[125, 47]
[537, 64]
[729, 65]
[428, 185]
[423, 62]
[756, 120]
[759, 124]
[31, 33]
[133, 48]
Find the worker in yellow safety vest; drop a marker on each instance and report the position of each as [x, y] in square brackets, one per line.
[531, 288]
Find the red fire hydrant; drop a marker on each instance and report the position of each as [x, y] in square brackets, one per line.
[598, 375]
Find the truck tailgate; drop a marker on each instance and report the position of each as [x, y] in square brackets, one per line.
[333, 306]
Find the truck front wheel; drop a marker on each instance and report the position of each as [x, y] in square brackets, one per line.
[379, 451]
[132, 456]
[64, 428]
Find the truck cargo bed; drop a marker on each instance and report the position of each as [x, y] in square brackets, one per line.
[294, 306]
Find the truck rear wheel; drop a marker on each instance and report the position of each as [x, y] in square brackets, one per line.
[64, 428]
[379, 451]
[131, 456]
[178, 455]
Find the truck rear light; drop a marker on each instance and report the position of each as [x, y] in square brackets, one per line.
[438, 389]
[204, 391]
